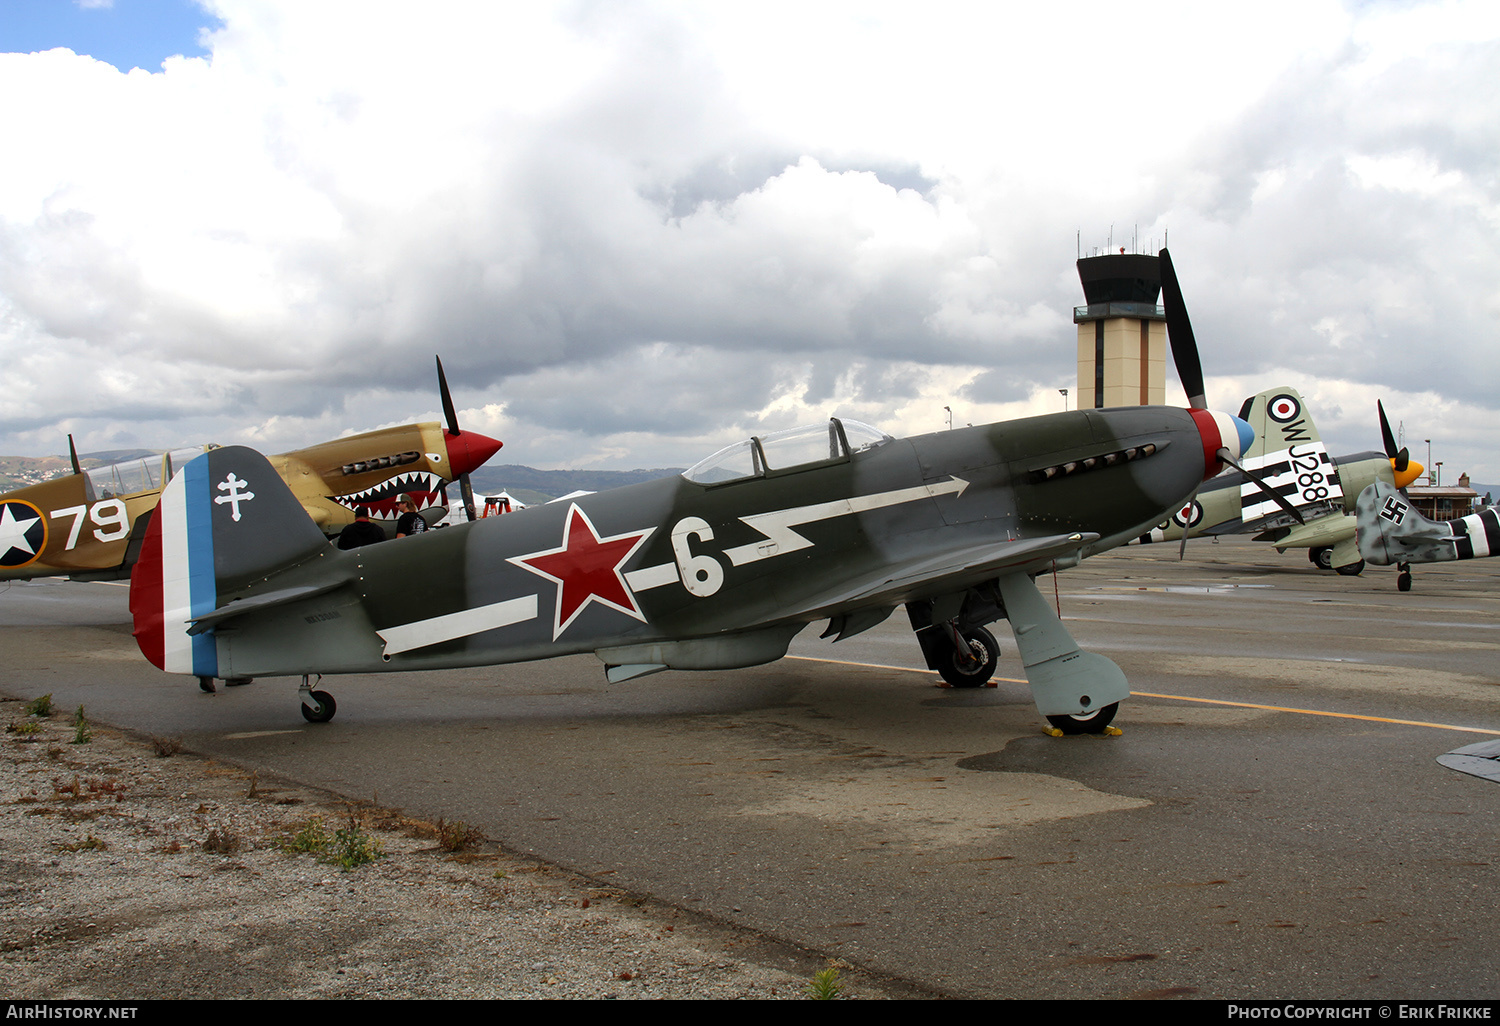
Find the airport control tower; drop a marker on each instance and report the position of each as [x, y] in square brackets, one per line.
[1122, 332]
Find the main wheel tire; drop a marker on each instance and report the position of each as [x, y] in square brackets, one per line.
[1321, 558]
[1403, 581]
[1352, 570]
[986, 651]
[322, 715]
[1086, 723]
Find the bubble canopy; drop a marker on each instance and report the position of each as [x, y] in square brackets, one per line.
[782, 451]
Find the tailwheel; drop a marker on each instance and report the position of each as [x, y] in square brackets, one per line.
[325, 710]
[1086, 723]
[972, 668]
[1403, 578]
[317, 706]
[206, 684]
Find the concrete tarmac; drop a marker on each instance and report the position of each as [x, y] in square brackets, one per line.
[1271, 824]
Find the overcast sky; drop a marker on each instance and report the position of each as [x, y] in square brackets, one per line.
[638, 231]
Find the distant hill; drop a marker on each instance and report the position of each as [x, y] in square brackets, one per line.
[20, 471]
[530, 485]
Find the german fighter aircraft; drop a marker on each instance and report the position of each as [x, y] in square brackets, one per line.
[1391, 530]
[89, 524]
[716, 568]
[1293, 462]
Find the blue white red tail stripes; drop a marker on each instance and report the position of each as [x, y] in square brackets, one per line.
[173, 580]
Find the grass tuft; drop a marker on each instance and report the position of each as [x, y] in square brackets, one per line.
[39, 706]
[89, 843]
[826, 985]
[457, 835]
[349, 847]
[82, 735]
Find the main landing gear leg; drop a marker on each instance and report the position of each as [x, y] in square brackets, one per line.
[1079, 692]
[317, 706]
[964, 656]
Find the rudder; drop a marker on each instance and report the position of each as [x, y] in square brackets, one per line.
[225, 520]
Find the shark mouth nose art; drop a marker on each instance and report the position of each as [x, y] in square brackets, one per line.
[382, 499]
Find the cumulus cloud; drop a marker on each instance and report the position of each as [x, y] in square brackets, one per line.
[636, 230]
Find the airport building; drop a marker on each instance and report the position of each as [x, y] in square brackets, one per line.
[1122, 332]
[1443, 502]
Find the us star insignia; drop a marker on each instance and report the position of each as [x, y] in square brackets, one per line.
[23, 533]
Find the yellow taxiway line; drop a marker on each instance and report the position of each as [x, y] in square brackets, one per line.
[1203, 701]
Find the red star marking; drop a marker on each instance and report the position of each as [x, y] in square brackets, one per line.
[587, 569]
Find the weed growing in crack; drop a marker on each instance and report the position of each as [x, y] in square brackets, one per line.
[82, 734]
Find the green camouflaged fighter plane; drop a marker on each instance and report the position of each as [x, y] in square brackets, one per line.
[716, 568]
[1289, 456]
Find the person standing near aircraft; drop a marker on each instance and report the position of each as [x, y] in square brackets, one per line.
[363, 531]
[410, 521]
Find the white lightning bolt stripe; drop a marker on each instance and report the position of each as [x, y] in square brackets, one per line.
[648, 577]
[777, 525]
[408, 636]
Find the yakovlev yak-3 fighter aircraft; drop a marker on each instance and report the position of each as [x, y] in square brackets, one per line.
[713, 569]
[89, 524]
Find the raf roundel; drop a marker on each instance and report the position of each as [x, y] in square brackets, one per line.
[1283, 408]
[1190, 515]
[23, 533]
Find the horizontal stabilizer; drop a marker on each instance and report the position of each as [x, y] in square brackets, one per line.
[260, 601]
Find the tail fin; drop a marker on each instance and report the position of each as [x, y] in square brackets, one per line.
[1287, 454]
[225, 520]
[1392, 531]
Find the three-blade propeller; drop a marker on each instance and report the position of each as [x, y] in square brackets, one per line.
[1404, 469]
[1399, 459]
[1190, 373]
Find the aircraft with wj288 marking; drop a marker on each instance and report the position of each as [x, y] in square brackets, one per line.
[1292, 460]
[716, 568]
[89, 525]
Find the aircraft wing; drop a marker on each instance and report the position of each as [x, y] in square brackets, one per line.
[1480, 760]
[953, 570]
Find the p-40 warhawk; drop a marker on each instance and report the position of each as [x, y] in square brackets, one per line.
[716, 568]
[89, 524]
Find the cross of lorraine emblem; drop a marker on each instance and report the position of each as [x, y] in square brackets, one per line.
[1394, 511]
[231, 485]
